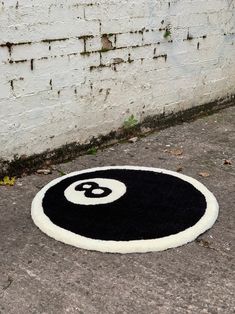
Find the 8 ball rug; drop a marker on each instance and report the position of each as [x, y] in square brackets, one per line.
[124, 209]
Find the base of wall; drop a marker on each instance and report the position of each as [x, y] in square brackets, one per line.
[28, 164]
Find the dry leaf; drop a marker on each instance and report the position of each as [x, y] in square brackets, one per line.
[8, 181]
[175, 151]
[204, 174]
[145, 130]
[133, 139]
[203, 243]
[44, 171]
[179, 169]
[227, 162]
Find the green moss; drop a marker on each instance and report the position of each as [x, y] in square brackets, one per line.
[92, 151]
[167, 33]
[85, 53]
[104, 50]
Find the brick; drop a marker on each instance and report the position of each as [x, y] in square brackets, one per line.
[129, 39]
[86, 63]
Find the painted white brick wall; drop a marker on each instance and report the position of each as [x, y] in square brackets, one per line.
[74, 69]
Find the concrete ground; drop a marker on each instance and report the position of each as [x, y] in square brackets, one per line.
[41, 275]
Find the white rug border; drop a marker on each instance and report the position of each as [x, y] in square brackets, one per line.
[133, 246]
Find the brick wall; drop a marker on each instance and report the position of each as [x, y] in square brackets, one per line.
[74, 69]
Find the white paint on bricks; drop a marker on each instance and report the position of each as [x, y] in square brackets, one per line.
[70, 70]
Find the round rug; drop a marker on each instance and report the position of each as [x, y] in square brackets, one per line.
[124, 209]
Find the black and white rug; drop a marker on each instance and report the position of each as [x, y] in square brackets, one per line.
[124, 209]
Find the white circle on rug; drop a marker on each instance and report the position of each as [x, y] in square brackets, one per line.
[152, 209]
[95, 191]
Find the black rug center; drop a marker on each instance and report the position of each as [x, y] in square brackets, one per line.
[155, 205]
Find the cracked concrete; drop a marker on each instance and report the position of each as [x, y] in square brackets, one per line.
[41, 275]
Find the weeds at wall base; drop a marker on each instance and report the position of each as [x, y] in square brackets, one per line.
[22, 165]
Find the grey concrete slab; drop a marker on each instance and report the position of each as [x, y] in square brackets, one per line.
[41, 275]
